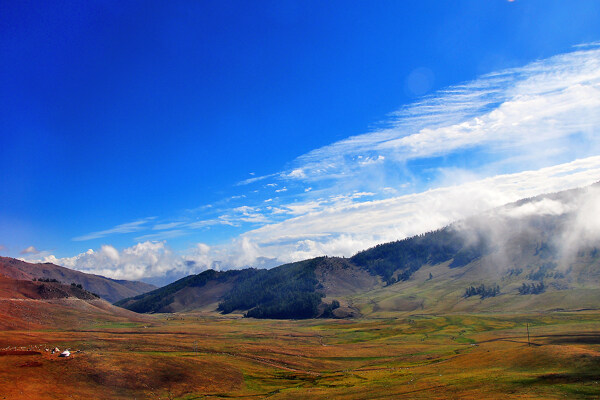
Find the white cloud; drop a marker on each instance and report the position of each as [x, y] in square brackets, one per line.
[155, 259]
[303, 208]
[30, 250]
[247, 214]
[371, 160]
[144, 260]
[111, 253]
[542, 207]
[297, 173]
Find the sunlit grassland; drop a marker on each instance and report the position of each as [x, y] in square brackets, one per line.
[440, 289]
[415, 356]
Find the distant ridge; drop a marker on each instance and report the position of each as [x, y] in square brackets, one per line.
[110, 290]
[43, 304]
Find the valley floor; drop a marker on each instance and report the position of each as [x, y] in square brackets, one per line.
[412, 356]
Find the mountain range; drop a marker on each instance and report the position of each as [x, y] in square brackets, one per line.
[536, 254]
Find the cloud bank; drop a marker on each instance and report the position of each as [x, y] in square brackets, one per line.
[147, 259]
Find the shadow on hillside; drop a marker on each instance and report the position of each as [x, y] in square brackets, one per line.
[562, 378]
[579, 338]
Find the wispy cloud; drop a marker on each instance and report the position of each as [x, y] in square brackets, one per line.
[515, 110]
[255, 179]
[168, 225]
[222, 220]
[129, 227]
[247, 214]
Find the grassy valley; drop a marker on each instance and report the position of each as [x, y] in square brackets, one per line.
[190, 356]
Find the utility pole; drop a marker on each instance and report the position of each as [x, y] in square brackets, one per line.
[528, 342]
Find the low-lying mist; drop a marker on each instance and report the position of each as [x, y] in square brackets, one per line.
[555, 228]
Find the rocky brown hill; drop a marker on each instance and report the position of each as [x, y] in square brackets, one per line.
[109, 289]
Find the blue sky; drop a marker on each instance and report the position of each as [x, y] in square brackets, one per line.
[177, 136]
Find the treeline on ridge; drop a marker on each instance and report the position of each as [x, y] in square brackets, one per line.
[288, 291]
[408, 255]
[157, 299]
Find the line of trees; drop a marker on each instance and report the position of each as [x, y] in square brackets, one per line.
[482, 291]
[532, 288]
[158, 299]
[514, 272]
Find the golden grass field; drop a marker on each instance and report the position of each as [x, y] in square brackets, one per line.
[195, 356]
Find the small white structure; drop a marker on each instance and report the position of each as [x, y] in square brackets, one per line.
[65, 353]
